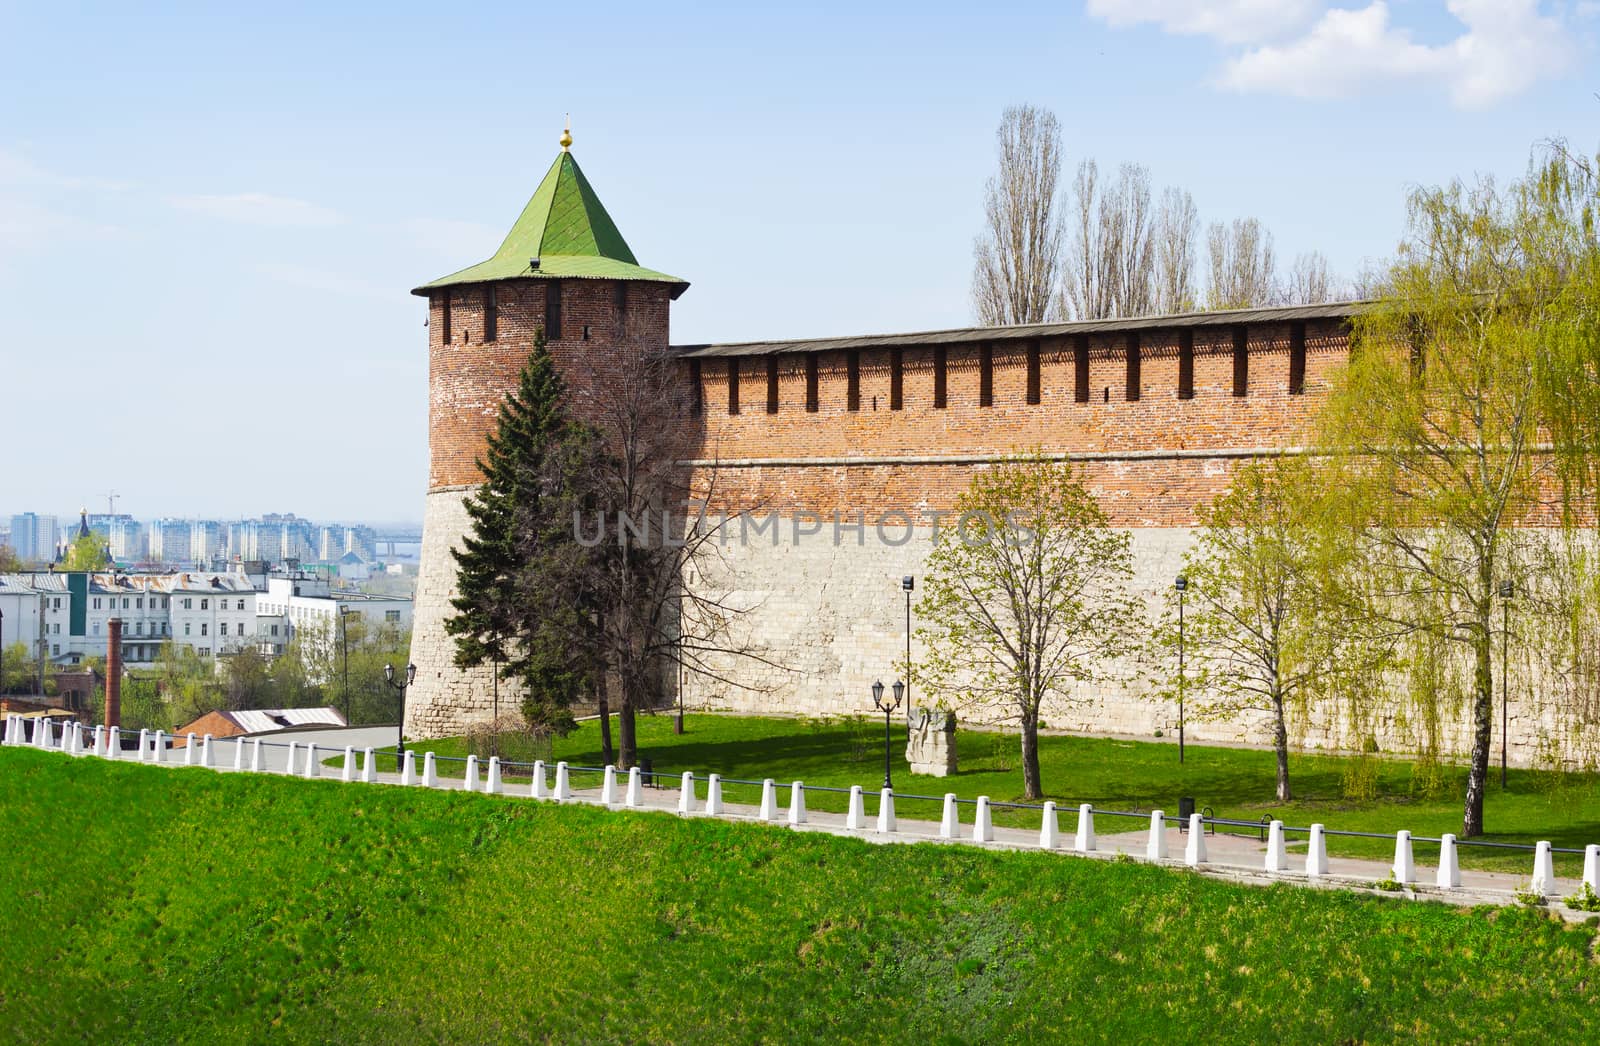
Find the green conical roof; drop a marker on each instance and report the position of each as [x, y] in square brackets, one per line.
[568, 230]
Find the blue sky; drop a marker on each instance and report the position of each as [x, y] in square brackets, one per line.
[210, 217]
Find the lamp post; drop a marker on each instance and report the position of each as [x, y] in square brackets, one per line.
[344, 642]
[887, 708]
[2, 651]
[1508, 589]
[908, 584]
[1182, 585]
[400, 731]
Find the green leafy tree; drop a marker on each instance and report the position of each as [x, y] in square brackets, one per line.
[86, 553]
[1027, 599]
[9, 563]
[1258, 633]
[1438, 421]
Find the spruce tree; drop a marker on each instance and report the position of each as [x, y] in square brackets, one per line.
[493, 622]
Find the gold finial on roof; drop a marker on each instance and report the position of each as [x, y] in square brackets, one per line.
[566, 135]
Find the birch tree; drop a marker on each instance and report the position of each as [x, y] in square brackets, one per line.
[1242, 265]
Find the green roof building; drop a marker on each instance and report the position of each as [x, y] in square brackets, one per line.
[563, 233]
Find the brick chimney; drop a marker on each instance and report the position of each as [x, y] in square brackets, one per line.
[114, 672]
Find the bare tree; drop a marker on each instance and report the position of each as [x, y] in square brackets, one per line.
[1126, 209]
[1018, 255]
[1243, 267]
[1089, 288]
[1309, 283]
[1176, 232]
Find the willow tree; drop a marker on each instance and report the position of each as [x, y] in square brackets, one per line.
[1437, 424]
[1026, 598]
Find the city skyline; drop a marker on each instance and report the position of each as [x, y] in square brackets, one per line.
[264, 190]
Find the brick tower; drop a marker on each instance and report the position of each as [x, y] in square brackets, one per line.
[564, 268]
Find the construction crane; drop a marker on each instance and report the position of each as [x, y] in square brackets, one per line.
[111, 502]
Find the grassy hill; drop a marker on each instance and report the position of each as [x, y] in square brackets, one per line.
[146, 904]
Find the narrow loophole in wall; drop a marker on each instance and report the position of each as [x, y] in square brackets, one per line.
[1297, 358]
[897, 376]
[1034, 366]
[491, 314]
[1080, 369]
[852, 381]
[697, 402]
[1134, 360]
[444, 316]
[811, 383]
[733, 385]
[772, 384]
[1241, 361]
[941, 377]
[1186, 365]
[552, 310]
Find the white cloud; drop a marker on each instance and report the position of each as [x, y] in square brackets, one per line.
[27, 225]
[1507, 46]
[251, 208]
[1231, 21]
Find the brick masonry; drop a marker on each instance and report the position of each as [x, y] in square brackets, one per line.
[827, 618]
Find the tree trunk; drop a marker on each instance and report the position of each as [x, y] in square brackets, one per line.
[627, 732]
[602, 698]
[1280, 745]
[1482, 726]
[1030, 757]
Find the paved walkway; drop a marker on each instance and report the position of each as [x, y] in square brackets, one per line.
[1232, 857]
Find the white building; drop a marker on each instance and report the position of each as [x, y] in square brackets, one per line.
[307, 606]
[170, 541]
[214, 613]
[34, 537]
[21, 617]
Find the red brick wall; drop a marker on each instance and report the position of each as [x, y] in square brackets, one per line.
[468, 378]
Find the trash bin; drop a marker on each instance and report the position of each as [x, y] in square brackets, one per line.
[647, 772]
[1185, 811]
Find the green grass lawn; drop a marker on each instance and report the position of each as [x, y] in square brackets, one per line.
[1111, 775]
[145, 904]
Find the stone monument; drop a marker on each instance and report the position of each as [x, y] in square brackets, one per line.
[931, 748]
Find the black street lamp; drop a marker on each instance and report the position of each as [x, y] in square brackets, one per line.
[888, 709]
[344, 641]
[1508, 589]
[1182, 585]
[400, 731]
[2, 651]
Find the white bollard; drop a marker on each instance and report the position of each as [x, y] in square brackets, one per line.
[537, 790]
[686, 793]
[1544, 873]
[563, 784]
[288, 766]
[491, 783]
[159, 747]
[950, 823]
[113, 743]
[1317, 852]
[408, 768]
[797, 803]
[39, 734]
[76, 743]
[206, 752]
[369, 768]
[1403, 870]
[769, 800]
[1591, 867]
[1084, 841]
[1048, 827]
[982, 829]
[635, 782]
[144, 745]
[1277, 856]
[1449, 875]
[430, 770]
[608, 787]
[714, 794]
[256, 765]
[885, 811]
[349, 773]
[1194, 854]
[238, 753]
[99, 739]
[11, 729]
[313, 764]
[469, 780]
[1156, 848]
[855, 819]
